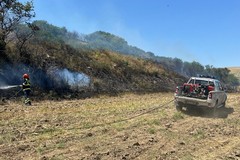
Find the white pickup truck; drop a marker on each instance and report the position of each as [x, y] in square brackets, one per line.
[200, 92]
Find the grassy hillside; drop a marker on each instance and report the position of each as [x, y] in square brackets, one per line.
[109, 72]
[235, 71]
[60, 62]
[59, 68]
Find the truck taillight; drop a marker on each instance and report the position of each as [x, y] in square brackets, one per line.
[210, 96]
[177, 89]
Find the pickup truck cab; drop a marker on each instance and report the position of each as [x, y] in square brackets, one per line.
[200, 92]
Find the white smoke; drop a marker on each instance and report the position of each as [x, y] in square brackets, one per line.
[75, 80]
[2, 83]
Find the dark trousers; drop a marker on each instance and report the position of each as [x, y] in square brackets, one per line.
[27, 100]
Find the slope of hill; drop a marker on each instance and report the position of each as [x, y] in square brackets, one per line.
[235, 71]
[56, 66]
[64, 62]
[107, 41]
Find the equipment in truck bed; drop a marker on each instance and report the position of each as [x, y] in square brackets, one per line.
[200, 91]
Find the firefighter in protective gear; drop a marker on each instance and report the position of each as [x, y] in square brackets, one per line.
[26, 87]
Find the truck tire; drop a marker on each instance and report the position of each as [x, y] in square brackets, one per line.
[215, 109]
[224, 104]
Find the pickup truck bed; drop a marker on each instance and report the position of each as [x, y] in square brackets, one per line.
[200, 92]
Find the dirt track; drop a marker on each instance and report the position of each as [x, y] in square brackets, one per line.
[104, 128]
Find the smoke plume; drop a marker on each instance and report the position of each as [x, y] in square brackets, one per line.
[75, 80]
[2, 83]
[53, 78]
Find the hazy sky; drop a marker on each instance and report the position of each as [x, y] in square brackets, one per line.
[207, 31]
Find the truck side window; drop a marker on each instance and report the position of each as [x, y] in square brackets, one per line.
[221, 87]
[216, 86]
[211, 84]
[191, 81]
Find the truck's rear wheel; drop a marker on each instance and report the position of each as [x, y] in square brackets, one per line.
[224, 104]
[215, 109]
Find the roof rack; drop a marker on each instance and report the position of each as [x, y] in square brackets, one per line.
[206, 76]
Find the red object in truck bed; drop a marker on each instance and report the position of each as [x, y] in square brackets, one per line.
[210, 88]
[189, 86]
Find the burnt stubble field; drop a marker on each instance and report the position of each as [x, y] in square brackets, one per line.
[128, 126]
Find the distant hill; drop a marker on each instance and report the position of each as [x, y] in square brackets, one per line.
[104, 40]
[107, 41]
[235, 71]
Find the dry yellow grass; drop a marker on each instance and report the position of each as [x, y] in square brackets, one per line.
[235, 71]
[116, 128]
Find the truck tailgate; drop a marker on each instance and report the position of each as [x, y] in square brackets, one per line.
[192, 101]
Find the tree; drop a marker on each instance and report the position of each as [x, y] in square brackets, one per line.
[23, 34]
[197, 68]
[12, 13]
[209, 70]
[178, 65]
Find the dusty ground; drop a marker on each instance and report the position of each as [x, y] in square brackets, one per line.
[124, 127]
